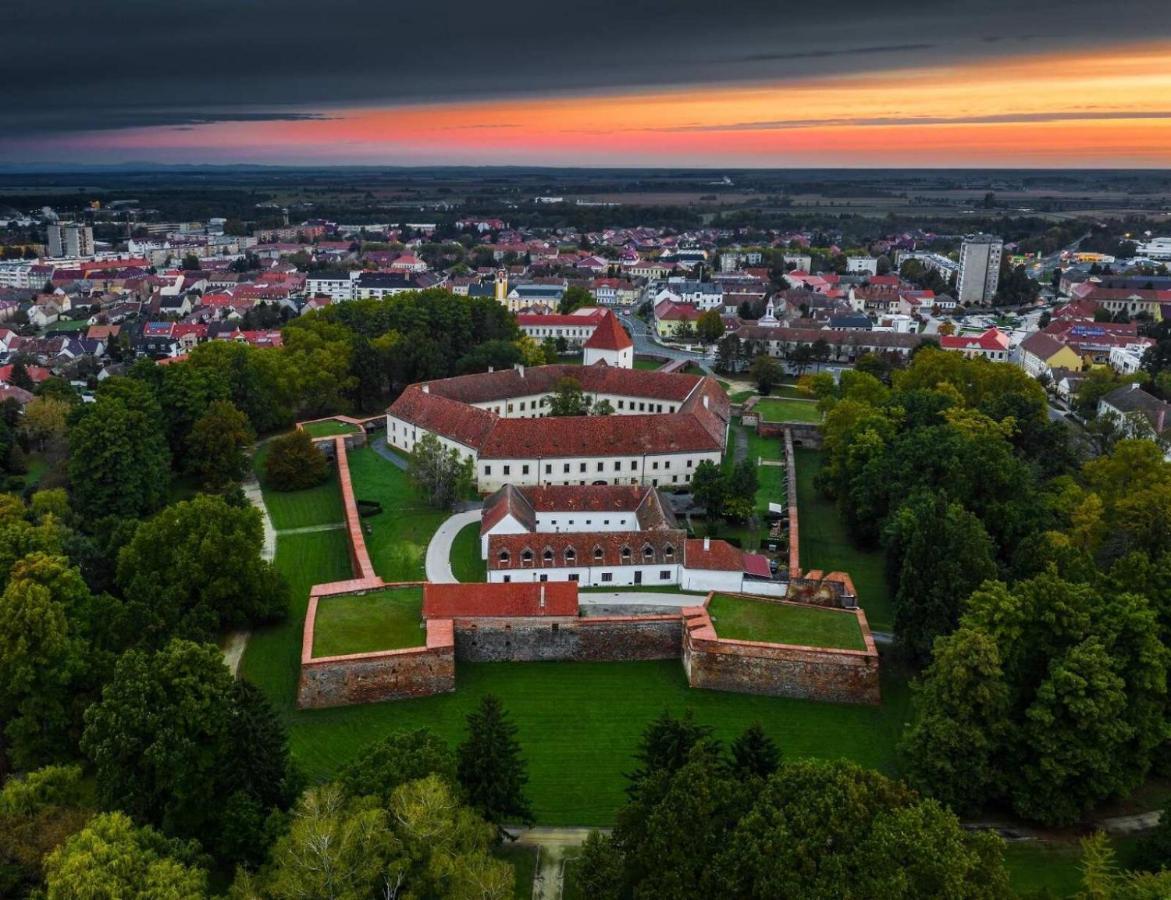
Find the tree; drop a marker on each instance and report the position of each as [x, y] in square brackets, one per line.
[44, 422]
[195, 569]
[1049, 697]
[1015, 287]
[709, 327]
[48, 664]
[111, 857]
[602, 408]
[939, 553]
[190, 263]
[574, 298]
[870, 837]
[400, 757]
[664, 746]
[20, 376]
[293, 462]
[729, 353]
[439, 472]
[119, 463]
[801, 357]
[568, 399]
[172, 732]
[709, 488]
[37, 813]
[490, 767]
[742, 484]
[755, 753]
[1102, 879]
[217, 444]
[766, 372]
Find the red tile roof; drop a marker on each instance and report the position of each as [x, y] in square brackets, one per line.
[666, 548]
[609, 335]
[465, 424]
[718, 555]
[465, 601]
[598, 436]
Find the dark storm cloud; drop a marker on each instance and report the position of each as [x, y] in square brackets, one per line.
[76, 65]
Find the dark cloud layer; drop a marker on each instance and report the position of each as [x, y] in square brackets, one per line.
[76, 65]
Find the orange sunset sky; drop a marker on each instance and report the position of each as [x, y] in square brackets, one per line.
[1106, 107]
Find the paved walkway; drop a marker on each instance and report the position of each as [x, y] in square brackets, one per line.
[553, 846]
[378, 442]
[439, 550]
[252, 491]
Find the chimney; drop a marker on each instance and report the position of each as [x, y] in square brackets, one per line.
[520, 368]
[491, 369]
[705, 401]
[707, 544]
[542, 595]
[1161, 419]
[426, 389]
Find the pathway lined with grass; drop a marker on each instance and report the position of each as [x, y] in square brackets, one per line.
[826, 545]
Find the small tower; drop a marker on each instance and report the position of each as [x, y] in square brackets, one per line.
[609, 344]
[501, 285]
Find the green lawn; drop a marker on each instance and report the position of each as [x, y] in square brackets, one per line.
[1056, 866]
[272, 659]
[523, 859]
[642, 362]
[740, 619]
[466, 563]
[386, 620]
[321, 505]
[741, 396]
[774, 409]
[826, 545]
[397, 537]
[328, 428]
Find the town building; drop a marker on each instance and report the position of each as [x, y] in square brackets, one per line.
[663, 426]
[70, 239]
[979, 268]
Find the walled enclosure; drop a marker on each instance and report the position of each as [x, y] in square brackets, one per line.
[781, 670]
[812, 673]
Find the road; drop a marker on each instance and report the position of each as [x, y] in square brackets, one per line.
[439, 550]
[645, 343]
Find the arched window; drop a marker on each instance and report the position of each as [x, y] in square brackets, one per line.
[526, 558]
[668, 552]
[504, 557]
[570, 556]
[648, 552]
[598, 554]
[625, 553]
[548, 556]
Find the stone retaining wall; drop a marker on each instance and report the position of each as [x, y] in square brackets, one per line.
[569, 639]
[782, 670]
[359, 557]
[807, 434]
[791, 500]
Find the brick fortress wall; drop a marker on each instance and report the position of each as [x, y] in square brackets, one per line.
[593, 639]
[781, 670]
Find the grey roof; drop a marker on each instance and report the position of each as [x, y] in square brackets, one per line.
[1131, 399]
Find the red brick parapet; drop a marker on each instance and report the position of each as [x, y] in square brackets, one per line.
[360, 558]
[794, 519]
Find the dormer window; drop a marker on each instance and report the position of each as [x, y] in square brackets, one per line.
[668, 552]
[505, 557]
[625, 554]
[570, 556]
[526, 558]
[648, 552]
[598, 554]
[548, 556]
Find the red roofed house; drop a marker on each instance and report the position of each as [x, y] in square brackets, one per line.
[609, 344]
[575, 328]
[992, 344]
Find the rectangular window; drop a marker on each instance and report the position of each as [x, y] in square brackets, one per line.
[617, 465]
[487, 470]
[548, 470]
[507, 578]
[544, 578]
[508, 470]
[573, 576]
[524, 470]
[600, 465]
[664, 574]
[607, 576]
[582, 469]
[565, 468]
[690, 463]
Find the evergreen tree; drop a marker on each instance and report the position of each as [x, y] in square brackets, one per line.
[490, 767]
[755, 753]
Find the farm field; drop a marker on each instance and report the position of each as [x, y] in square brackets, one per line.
[736, 618]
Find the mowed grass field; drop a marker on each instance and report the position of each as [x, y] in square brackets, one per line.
[825, 545]
[397, 538]
[648, 364]
[321, 505]
[365, 623]
[774, 409]
[466, 564]
[328, 428]
[740, 619]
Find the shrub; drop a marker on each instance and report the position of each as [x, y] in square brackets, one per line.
[293, 463]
